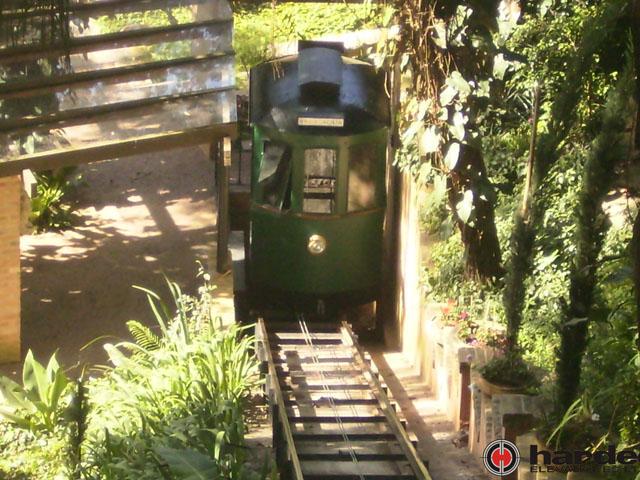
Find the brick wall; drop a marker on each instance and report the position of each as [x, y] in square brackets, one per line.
[10, 220]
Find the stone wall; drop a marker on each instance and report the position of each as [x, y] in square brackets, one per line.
[10, 223]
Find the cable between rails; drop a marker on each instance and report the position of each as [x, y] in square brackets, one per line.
[309, 341]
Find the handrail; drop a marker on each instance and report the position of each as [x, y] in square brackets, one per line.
[106, 40]
[80, 115]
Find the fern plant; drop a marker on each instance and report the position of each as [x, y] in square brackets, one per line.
[171, 403]
[143, 336]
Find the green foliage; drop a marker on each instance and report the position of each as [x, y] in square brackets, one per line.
[576, 51]
[36, 404]
[151, 18]
[143, 335]
[510, 370]
[578, 428]
[170, 404]
[257, 30]
[148, 18]
[592, 224]
[30, 456]
[435, 217]
[173, 403]
[49, 207]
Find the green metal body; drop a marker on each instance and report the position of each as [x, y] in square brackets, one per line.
[279, 258]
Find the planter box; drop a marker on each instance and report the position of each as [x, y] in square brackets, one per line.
[497, 415]
[447, 365]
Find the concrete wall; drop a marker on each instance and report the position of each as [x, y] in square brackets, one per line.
[10, 224]
[447, 365]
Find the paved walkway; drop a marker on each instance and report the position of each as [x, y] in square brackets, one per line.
[139, 217]
[426, 420]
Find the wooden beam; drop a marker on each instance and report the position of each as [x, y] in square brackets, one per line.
[96, 9]
[109, 150]
[84, 115]
[222, 152]
[44, 85]
[129, 38]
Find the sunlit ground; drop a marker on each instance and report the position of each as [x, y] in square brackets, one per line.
[427, 419]
[138, 217]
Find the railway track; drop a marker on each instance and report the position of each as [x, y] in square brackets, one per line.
[332, 418]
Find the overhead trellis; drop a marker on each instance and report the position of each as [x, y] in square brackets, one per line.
[119, 77]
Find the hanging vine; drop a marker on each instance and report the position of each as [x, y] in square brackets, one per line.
[451, 66]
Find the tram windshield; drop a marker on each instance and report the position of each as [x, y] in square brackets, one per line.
[275, 175]
[319, 180]
[362, 184]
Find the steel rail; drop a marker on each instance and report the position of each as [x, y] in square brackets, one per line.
[376, 388]
[262, 339]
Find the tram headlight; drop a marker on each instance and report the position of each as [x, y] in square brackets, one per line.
[317, 244]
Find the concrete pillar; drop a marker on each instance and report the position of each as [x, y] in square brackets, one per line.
[409, 294]
[10, 221]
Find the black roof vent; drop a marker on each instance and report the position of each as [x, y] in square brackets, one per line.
[319, 74]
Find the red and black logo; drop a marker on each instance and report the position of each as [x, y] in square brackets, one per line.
[501, 458]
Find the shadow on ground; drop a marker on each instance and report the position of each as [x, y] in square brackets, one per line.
[139, 217]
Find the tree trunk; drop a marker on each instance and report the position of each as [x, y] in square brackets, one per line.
[522, 240]
[635, 255]
[635, 33]
[635, 239]
[482, 247]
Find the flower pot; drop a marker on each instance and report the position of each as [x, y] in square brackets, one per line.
[492, 389]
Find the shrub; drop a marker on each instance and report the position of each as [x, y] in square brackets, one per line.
[510, 370]
[173, 402]
[49, 209]
[36, 404]
[169, 405]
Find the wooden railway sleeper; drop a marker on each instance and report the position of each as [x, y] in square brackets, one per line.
[306, 399]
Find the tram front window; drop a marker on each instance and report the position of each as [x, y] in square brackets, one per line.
[362, 185]
[319, 180]
[275, 175]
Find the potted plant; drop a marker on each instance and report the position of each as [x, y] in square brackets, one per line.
[507, 373]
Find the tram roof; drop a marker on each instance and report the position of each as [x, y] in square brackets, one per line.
[283, 91]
